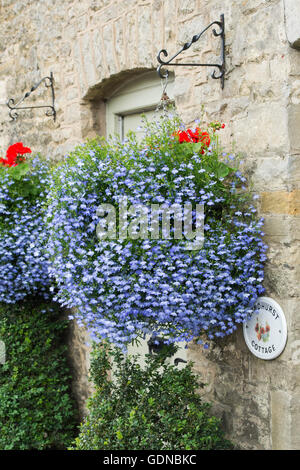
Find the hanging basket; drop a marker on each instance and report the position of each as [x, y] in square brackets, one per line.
[123, 286]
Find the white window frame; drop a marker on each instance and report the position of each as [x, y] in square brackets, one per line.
[137, 95]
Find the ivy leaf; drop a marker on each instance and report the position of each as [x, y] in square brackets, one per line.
[197, 147]
[222, 170]
[17, 172]
[187, 148]
[27, 189]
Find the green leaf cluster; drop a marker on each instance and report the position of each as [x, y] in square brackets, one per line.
[37, 410]
[155, 407]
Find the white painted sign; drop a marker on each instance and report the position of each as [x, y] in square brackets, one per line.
[266, 332]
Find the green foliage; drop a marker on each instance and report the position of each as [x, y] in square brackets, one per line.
[36, 408]
[152, 408]
[25, 181]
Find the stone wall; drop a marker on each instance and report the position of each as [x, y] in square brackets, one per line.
[91, 46]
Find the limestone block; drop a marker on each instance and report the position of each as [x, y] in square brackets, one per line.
[271, 173]
[281, 420]
[186, 7]
[251, 6]
[258, 72]
[295, 228]
[281, 280]
[82, 22]
[191, 27]
[98, 4]
[78, 67]
[295, 418]
[291, 305]
[169, 10]
[70, 32]
[88, 62]
[108, 48]
[277, 228]
[131, 34]
[294, 171]
[295, 92]
[79, 354]
[294, 126]
[292, 22]
[182, 88]
[72, 113]
[4, 142]
[69, 80]
[72, 94]
[264, 129]
[62, 135]
[98, 46]
[157, 27]
[260, 34]
[144, 44]
[120, 42]
[3, 92]
[294, 62]
[279, 68]
[281, 202]
[208, 91]
[108, 14]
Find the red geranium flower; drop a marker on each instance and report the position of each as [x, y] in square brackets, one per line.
[205, 138]
[183, 137]
[196, 136]
[14, 154]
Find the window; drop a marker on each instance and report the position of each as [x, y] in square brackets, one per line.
[137, 96]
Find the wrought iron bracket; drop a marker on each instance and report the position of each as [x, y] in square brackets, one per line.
[49, 83]
[187, 45]
[177, 360]
[155, 344]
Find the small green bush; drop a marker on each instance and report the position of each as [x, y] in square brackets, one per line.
[36, 408]
[152, 408]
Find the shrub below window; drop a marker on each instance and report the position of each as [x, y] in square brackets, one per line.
[36, 407]
[156, 407]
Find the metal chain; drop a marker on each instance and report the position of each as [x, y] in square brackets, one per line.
[164, 100]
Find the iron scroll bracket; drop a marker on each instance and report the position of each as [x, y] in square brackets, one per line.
[49, 83]
[221, 67]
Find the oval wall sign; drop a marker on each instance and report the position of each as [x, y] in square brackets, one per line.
[266, 332]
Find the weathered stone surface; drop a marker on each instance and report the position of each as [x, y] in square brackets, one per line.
[98, 4]
[281, 202]
[190, 28]
[92, 46]
[131, 37]
[88, 60]
[144, 44]
[182, 88]
[98, 48]
[120, 42]
[264, 129]
[108, 44]
[271, 174]
[186, 6]
[281, 420]
[79, 355]
[79, 67]
[294, 126]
